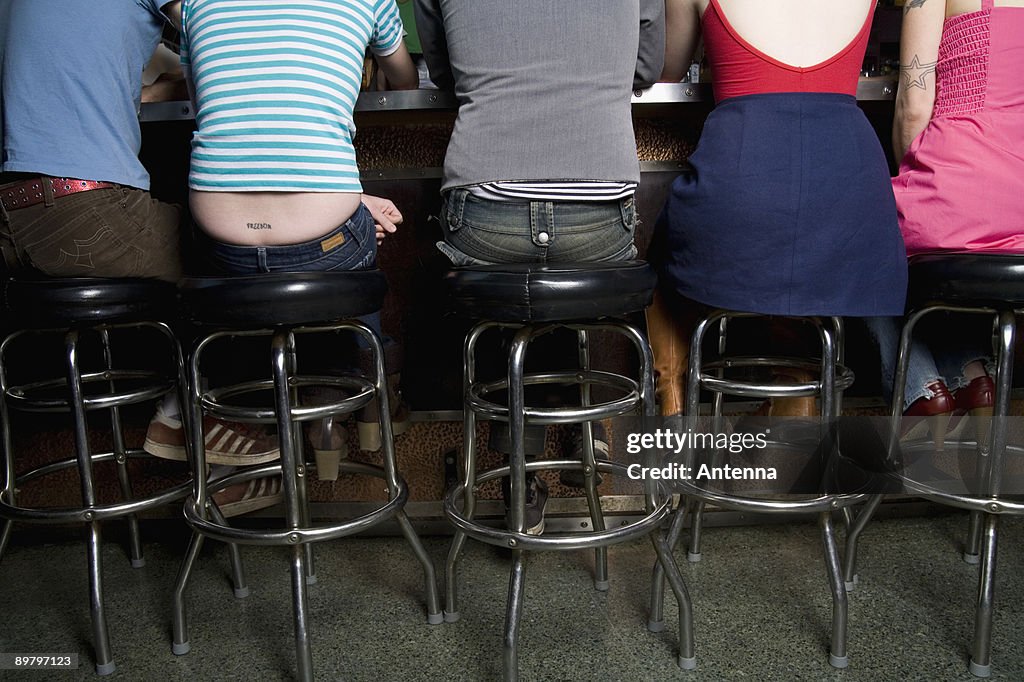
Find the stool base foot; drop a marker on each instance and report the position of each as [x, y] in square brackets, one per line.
[241, 592]
[451, 616]
[437, 618]
[972, 559]
[656, 626]
[838, 661]
[180, 649]
[138, 563]
[311, 579]
[105, 668]
[688, 663]
[601, 585]
[850, 584]
[694, 557]
[980, 670]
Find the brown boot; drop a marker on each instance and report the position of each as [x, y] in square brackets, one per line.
[669, 333]
[790, 407]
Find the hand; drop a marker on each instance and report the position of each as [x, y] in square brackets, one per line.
[386, 216]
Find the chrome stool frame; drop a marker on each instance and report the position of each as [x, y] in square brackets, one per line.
[834, 379]
[460, 502]
[288, 414]
[985, 509]
[45, 396]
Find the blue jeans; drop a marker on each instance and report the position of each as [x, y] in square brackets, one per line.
[351, 246]
[928, 363]
[481, 232]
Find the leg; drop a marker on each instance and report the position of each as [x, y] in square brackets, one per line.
[655, 619]
[293, 518]
[513, 616]
[180, 644]
[667, 329]
[451, 610]
[517, 480]
[120, 456]
[837, 652]
[981, 651]
[590, 471]
[853, 532]
[104, 660]
[434, 615]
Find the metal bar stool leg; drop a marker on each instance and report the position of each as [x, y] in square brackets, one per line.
[590, 469]
[451, 610]
[972, 546]
[687, 654]
[104, 659]
[238, 581]
[853, 531]
[694, 554]
[830, 351]
[121, 457]
[434, 613]
[8, 453]
[981, 650]
[837, 651]
[517, 481]
[656, 617]
[293, 514]
[179, 621]
[675, 529]
[981, 654]
[291, 358]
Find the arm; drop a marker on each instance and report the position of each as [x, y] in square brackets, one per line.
[435, 44]
[919, 52]
[682, 29]
[650, 58]
[399, 70]
[386, 216]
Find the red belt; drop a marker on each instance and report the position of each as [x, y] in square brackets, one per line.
[30, 192]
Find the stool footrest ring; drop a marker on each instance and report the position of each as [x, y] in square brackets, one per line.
[294, 536]
[589, 540]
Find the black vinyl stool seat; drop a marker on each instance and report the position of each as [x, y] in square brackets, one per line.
[984, 283]
[531, 300]
[741, 375]
[82, 310]
[284, 306]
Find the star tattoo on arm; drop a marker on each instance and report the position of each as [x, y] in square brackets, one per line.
[915, 72]
[912, 4]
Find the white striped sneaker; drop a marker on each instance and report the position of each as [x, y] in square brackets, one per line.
[230, 443]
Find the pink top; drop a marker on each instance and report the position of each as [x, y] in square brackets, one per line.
[742, 69]
[959, 185]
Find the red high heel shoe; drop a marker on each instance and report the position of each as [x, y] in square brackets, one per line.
[929, 415]
[974, 404]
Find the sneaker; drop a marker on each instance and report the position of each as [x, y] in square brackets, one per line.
[230, 443]
[249, 496]
[573, 478]
[536, 501]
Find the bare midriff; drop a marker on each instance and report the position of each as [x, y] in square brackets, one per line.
[270, 218]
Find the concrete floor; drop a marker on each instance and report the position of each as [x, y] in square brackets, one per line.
[761, 605]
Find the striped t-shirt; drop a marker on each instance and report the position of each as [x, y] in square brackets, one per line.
[275, 84]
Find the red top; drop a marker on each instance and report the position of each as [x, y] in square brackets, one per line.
[739, 68]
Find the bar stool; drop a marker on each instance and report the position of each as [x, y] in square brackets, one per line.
[986, 284]
[737, 375]
[532, 300]
[83, 310]
[284, 307]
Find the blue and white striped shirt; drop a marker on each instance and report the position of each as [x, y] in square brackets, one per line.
[275, 84]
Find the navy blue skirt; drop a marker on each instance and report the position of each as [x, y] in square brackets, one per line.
[788, 210]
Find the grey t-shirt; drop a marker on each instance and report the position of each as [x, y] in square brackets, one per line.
[543, 87]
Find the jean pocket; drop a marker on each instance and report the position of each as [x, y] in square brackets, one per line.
[453, 203]
[458, 258]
